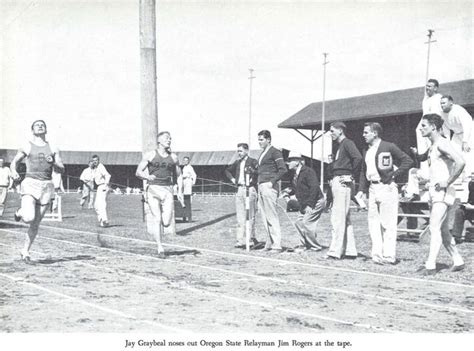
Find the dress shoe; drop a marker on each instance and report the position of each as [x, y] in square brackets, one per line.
[16, 216]
[329, 257]
[458, 268]
[428, 272]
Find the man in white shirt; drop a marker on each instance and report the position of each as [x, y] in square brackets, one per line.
[430, 104]
[5, 184]
[102, 180]
[189, 177]
[87, 179]
[459, 121]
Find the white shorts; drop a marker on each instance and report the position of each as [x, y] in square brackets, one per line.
[41, 190]
[447, 195]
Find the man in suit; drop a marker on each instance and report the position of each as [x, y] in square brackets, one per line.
[377, 177]
[237, 173]
[311, 200]
[271, 168]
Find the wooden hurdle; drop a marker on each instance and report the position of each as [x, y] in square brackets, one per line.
[55, 214]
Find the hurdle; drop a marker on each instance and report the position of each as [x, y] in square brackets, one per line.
[55, 213]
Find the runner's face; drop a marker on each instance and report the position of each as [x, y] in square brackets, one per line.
[95, 162]
[39, 128]
[185, 161]
[165, 140]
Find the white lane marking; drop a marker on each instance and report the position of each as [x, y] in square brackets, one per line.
[93, 305]
[184, 286]
[244, 301]
[277, 280]
[279, 261]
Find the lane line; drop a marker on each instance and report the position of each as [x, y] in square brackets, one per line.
[280, 261]
[184, 286]
[92, 305]
[277, 280]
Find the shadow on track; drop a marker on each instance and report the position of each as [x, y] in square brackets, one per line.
[65, 259]
[203, 225]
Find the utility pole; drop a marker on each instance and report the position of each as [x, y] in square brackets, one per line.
[429, 35]
[251, 78]
[148, 90]
[149, 105]
[323, 119]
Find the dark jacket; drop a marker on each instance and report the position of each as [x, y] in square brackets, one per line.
[386, 156]
[307, 189]
[251, 165]
[271, 167]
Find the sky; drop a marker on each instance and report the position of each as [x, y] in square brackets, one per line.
[76, 64]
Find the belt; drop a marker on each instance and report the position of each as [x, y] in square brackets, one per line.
[375, 182]
[240, 184]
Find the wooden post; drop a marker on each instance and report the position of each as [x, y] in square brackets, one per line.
[148, 89]
[149, 105]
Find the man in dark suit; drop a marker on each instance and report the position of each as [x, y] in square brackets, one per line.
[311, 200]
[271, 168]
[237, 173]
[377, 177]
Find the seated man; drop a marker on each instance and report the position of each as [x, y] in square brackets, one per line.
[463, 213]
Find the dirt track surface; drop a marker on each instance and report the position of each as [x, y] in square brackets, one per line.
[89, 279]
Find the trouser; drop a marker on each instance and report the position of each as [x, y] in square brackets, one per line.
[343, 240]
[440, 234]
[456, 141]
[307, 223]
[100, 204]
[88, 195]
[3, 198]
[241, 212]
[382, 218]
[267, 199]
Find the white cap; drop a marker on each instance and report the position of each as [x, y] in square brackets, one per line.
[294, 155]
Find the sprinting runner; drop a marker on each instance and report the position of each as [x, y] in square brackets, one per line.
[37, 188]
[160, 168]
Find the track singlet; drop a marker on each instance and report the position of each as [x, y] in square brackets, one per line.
[36, 165]
[163, 169]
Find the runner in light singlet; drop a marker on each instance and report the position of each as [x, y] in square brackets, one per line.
[160, 168]
[37, 188]
[445, 165]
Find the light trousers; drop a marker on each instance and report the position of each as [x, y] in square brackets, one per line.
[267, 200]
[307, 224]
[343, 240]
[100, 204]
[382, 218]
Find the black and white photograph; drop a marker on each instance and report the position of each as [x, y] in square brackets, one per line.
[236, 175]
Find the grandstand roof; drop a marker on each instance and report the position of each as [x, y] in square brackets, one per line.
[393, 103]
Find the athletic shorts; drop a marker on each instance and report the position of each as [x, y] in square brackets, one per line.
[444, 195]
[41, 190]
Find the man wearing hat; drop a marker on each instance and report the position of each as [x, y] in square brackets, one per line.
[311, 200]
